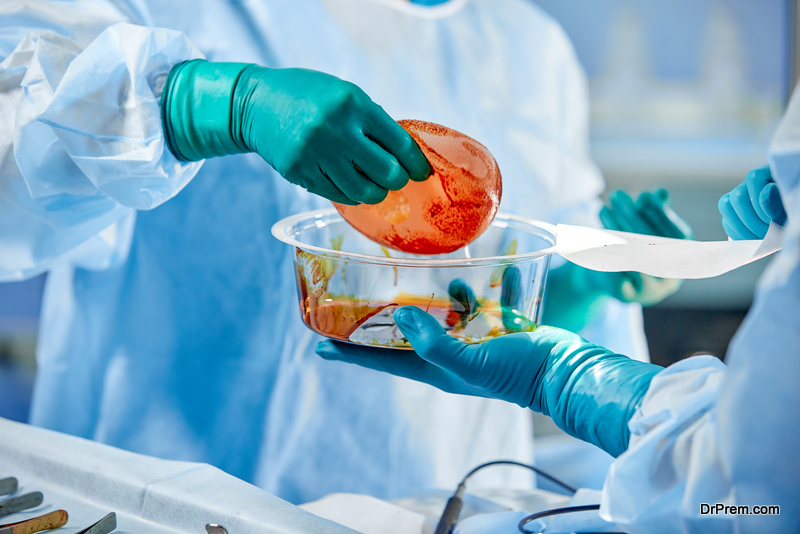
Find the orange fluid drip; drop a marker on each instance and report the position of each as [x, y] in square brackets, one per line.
[445, 212]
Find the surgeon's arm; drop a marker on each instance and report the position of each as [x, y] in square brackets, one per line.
[82, 146]
[104, 117]
[317, 131]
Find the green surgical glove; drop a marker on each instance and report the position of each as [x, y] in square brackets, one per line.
[650, 214]
[590, 392]
[317, 131]
[575, 295]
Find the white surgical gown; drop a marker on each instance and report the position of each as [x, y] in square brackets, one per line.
[711, 434]
[170, 322]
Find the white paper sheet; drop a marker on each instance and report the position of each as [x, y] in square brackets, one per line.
[608, 250]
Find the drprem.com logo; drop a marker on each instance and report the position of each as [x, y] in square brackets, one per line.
[722, 509]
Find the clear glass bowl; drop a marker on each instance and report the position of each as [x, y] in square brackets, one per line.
[349, 286]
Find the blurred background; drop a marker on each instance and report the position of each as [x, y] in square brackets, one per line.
[685, 95]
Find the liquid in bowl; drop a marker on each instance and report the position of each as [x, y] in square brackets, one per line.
[348, 286]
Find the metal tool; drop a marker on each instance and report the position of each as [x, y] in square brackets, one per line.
[211, 528]
[23, 502]
[104, 526]
[49, 521]
[8, 485]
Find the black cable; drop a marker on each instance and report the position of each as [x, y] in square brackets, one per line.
[559, 511]
[453, 507]
[554, 511]
[541, 473]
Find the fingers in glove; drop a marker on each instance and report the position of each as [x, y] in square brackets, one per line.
[462, 297]
[380, 127]
[353, 183]
[511, 288]
[756, 181]
[320, 184]
[405, 364]
[734, 227]
[433, 344]
[772, 204]
[511, 302]
[609, 220]
[626, 214]
[379, 166]
[742, 205]
[654, 207]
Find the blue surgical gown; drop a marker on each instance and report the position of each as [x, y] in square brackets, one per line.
[170, 321]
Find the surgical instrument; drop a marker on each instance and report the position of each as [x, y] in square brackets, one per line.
[104, 526]
[8, 485]
[23, 502]
[52, 520]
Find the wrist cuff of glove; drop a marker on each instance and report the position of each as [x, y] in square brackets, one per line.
[622, 396]
[197, 110]
[592, 394]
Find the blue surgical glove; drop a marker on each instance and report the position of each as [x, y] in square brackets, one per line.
[590, 392]
[317, 131]
[751, 206]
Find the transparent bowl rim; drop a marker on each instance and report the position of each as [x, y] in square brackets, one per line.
[281, 230]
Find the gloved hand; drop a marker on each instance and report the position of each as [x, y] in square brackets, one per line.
[575, 294]
[650, 214]
[751, 206]
[464, 304]
[316, 130]
[589, 392]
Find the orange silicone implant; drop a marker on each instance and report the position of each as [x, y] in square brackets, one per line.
[445, 212]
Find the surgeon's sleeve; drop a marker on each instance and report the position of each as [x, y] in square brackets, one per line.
[710, 435]
[706, 435]
[82, 145]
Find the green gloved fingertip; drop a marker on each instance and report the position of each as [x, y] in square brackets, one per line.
[462, 297]
[196, 109]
